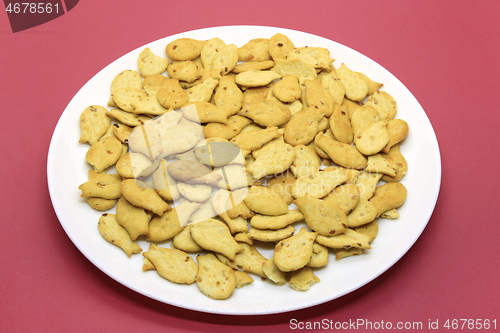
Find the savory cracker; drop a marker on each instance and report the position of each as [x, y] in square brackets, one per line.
[135, 165]
[228, 96]
[378, 164]
[322, 216]
[255, 139]
[116, 234]
[192, 173]
[256, 78]
[219, 202]
[164, 184]
[398, 130]
[218, 152]
[149, 106]
[318, 57]
[264, 222]
[124, 97]
[295, 67]
[195, 192]
[341, 153]
[107, 186]
[215, 279]
[346, 197]
[271, 235]
[202, 92]
[242, 279]
[384, 103]
[242, 237]
[174, 265]
[127, 78]
[210, 51]
[317, 96]
[128, 118]
[348, 239]
[354, 83]
[262, 200]
[134, 219]
[203, 112]
[294, 252]
[272, 159]
[306, 162]
[287, 89]
[318, 184]
[341, 125]
[235, 205]
[187, 156]
[253, 66]
[397, 160]
[164, 123]
[372, 85]
[319, 257]
[140, 195]
[104, 153]
[267, 113]
[273, 273]
[180, 138]
[303, 127]
[186, 71]
[351, 174]
[226, 59]
[184, 242]
[148, 265]
[366, 183]
[373, 139]
[282, 185]
[279, 46]
[171, 223]
[145, 140]
[369, 229]
[99, 204]
[350, 106]
[93, 124]
[250, 260]
[215, 236]
[364, 213]
[388, 196]
[184, 49]
[362, 118]
[302, 279]
[151, 64]
[391, 214]
[205, 211]
[347, 252]
[234, 176]
[171, 95]
[332, 84]
[152, 83]
[226, 131]
[257, 94]
[286, 111]
[254, 50]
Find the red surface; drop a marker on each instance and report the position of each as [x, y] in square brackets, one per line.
[445, 52]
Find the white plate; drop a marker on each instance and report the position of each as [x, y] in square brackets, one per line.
[67, 169]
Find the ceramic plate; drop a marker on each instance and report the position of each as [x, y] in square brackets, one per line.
[67, 169]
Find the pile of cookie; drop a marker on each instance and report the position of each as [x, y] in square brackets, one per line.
[232, 147]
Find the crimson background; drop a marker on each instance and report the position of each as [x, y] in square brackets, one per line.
[445, 52]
